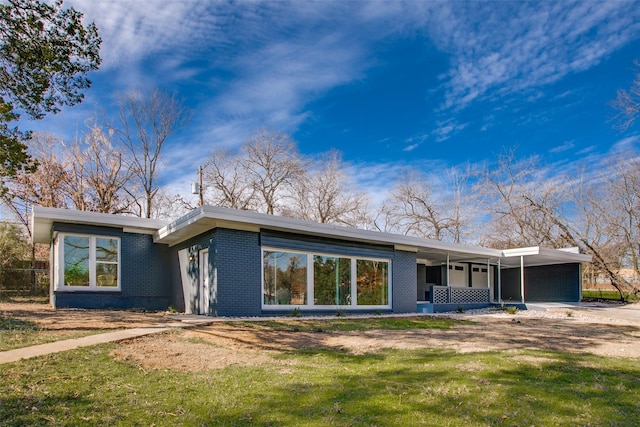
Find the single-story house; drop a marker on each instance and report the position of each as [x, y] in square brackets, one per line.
[227, 262]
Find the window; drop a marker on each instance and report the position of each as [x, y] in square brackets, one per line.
[331, 280]
[87, 262]
[285, 278]
[373, 282]
[292, 278]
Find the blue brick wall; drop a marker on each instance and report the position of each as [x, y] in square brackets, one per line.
[154, 276]
[405, 280]
[144, 273]
[236, 258]
[235, 275]
[107, 300]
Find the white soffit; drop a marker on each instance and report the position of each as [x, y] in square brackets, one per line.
[42, 220]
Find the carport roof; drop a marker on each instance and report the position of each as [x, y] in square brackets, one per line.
[537, 255]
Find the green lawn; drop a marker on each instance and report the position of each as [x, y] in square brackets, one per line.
[607, 295]
[325, 387]
[17, 333]
[353, 324]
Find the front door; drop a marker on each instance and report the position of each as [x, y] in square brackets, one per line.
[205, 291]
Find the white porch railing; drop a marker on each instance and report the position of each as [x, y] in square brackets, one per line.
[456, 295]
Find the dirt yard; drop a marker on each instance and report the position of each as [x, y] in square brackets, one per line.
[222, 344]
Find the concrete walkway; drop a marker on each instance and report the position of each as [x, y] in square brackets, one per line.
[70, 344]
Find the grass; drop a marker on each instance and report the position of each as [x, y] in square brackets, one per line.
[17, 333]
[511, 309]
[607, 295]
[418, 387]
[353, 324]
[6, 297]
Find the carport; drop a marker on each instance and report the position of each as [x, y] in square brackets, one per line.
[538, 274]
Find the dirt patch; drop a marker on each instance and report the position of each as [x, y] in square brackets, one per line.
[177, 352]
[222, 344]
[486, 334]
[78, 320]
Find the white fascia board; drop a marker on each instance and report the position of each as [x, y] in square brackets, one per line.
[533, 250]
[42, 220]
[573, 249]
[246, 220]
[566, 255]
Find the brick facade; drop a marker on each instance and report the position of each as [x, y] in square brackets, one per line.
[404, 282]
[144, 273]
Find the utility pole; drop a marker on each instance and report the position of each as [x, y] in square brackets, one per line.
[196, 187]
[200, 192]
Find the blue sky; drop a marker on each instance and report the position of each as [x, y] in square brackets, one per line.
[390, 84]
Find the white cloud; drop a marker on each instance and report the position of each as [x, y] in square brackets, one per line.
[567, 145]
[505, 48]
[262, 63]
[447, 128]
[415, 141]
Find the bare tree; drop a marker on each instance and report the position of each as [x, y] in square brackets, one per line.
[146, 120]
[414, 209]
[627, 103]
[224, 174]
[618, 214]
[44, 186]
[503, 188]
[598, 213]
[96, 175]
[327, 195]
[170, 206]
[271, 165]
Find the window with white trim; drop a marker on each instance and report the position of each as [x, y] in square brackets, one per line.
[87, 262]
[300, 279]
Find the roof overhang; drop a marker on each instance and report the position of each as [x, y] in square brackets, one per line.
[208, 217]
[537, 255]
[42, 220]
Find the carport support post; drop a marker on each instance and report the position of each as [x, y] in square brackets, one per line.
[499, 283]
[447, 269]
[522, 279]
[489, 275]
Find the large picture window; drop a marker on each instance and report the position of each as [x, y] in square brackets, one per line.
[285, 278]
[87, 262]
[292, 278]
[373, 282]
[331, 280]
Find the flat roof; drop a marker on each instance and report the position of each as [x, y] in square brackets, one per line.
[206, 218]
[538, 255]
[42, 220]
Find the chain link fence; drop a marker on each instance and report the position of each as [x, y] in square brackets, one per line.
[25, 279]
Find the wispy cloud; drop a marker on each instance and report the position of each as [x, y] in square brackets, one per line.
[447, 128]
[254, 64]
[415, 141]
[567, 145]
[504, 48]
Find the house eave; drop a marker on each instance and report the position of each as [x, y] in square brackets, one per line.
[42, 220]
[539, 255]
[205, 218]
